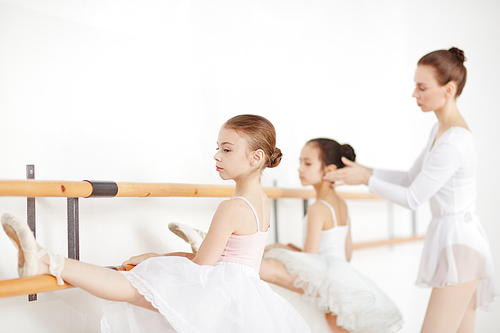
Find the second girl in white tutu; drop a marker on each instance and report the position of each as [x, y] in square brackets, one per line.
[320, 271]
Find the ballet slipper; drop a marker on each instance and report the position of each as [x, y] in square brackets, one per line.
[28, 253]
[24, 241]
[190, 235]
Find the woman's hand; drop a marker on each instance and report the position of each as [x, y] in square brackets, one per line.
[352, 174]
[136, 260]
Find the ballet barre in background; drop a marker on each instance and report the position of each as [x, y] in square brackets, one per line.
[73, 190]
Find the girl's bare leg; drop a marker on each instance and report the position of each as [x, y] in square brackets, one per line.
[449, 309]
[274, 271]
[102, 282]
[332, 323]
[99, 281]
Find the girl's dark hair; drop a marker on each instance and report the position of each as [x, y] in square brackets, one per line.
[331, 152]
[448, 66]
[260, 134]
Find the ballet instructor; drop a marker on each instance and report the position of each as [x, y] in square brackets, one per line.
[456, 260]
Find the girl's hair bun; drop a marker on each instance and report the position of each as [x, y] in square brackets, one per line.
[458, 53]
[275, 158]
[331, 152]
[348, 152]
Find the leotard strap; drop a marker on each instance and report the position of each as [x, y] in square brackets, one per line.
[252, 208]
[334, 216]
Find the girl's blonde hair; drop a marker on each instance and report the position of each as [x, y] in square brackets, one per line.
[260, 134]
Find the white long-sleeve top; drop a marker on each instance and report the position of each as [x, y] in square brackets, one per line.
[444, 174]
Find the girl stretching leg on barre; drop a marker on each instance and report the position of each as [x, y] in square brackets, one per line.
[219, 290]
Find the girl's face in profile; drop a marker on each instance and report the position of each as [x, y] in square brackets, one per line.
[232, 158]
[429, 94]
[311, 168]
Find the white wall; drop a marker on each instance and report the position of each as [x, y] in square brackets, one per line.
[137, 90]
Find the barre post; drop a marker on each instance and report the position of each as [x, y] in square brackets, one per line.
[275, 206]
[73, 229]
[31, 214]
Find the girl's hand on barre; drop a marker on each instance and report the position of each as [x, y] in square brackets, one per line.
[136, 260]
[352, 174]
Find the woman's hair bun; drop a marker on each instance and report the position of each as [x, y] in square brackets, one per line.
[458, 53]
[275, 158]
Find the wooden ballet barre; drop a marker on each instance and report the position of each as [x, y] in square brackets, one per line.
[38, 284]
[385, 242]
[84, 189]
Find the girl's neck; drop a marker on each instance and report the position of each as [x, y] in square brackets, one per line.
[244, 185]
[324, 190]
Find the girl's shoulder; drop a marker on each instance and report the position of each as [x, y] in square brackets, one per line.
[319, 208]
[233, 206]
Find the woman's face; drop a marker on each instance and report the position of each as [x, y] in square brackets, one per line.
[429, 94]
[311, 168]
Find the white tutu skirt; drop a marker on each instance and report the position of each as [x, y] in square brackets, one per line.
[456, 250]
[333, 285]
[225, 298]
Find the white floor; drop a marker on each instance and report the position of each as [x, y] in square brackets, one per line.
[394, 269]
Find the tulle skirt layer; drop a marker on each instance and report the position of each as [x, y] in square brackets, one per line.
[333, 285]
[456, 250]
[226, 298]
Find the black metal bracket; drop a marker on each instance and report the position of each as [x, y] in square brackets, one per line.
[103, 188]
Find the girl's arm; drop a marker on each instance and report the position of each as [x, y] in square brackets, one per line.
[229, 216]
[348, 242]
[288, 246]
[136, 260]
[316, 215]
[223, 224]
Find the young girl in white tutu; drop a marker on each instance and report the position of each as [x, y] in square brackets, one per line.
[219, 289]
[320, 271]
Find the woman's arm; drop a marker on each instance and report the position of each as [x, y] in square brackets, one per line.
[443, 162]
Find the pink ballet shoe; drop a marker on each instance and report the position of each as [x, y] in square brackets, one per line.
[22, 237]
[190, 235]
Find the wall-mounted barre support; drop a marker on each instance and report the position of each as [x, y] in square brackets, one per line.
[31, 214]
[73, 229]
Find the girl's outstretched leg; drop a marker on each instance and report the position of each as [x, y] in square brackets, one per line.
[102, 282]
[332, 323]
[274, 271]
[99, 281]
